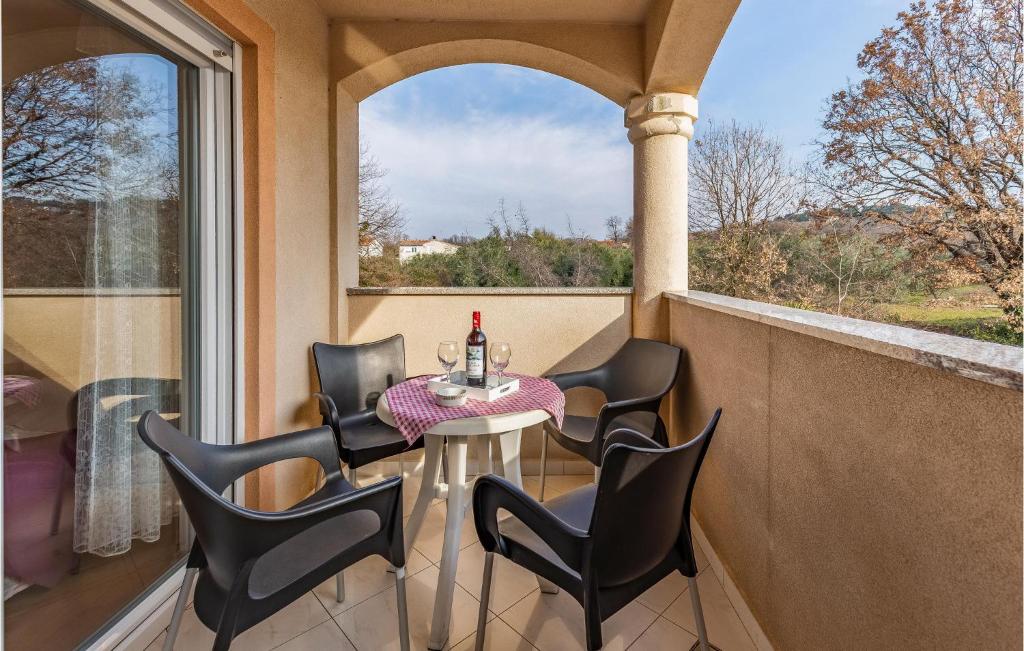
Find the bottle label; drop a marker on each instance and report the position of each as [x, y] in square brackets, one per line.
[475, 362]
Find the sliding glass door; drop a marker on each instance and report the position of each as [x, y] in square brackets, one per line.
[116, 275]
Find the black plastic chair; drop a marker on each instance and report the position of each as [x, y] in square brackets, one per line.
[352, 379]
[604, 544]
[251, 564]
[634, 382]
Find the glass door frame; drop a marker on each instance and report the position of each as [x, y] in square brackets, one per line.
[214, 281]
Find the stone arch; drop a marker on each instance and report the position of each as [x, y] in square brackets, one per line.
[609, 62]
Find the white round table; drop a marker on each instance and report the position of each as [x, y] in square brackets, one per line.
[508, 428]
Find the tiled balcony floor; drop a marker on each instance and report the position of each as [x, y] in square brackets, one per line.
[522, 618]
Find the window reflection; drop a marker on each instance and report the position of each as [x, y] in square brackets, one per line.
[94, 224]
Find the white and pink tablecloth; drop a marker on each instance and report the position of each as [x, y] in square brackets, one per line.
[414, 410]
[20, 388]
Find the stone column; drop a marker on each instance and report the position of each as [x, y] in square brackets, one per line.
[660, 126]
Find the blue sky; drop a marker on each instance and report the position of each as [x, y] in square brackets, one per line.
[455, 140]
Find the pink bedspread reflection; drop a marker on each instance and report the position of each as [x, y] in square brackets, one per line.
[37, 493]
[38, 490]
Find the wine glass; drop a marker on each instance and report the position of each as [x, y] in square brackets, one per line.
[448, 355]
[501, 354]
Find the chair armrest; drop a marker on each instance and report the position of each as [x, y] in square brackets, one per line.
[492, 493]
[254, 533]
[313, 514]
[328, 409]
[365, 417]
[317, 443]
[573, 379]
[331, 416]
[612, 410]
[383, 498]
[632, 438]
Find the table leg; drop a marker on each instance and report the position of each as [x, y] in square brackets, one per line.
[511, 468]
[428, 486]
[482, 450]
[452, 535]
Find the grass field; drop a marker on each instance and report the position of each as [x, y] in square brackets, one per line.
[963, 311]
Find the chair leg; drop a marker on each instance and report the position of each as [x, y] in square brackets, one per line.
[352, 478]
[592, 619]
[403, 611]
[339, 587]
[233, 602]
[222, 642]
[55, 519]
[597, 474]
[485, 598]
[698, 616]
[179, 607]
[543, 461]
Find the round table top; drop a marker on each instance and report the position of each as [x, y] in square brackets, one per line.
[494, 424]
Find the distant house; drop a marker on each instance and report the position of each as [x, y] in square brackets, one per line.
[370, 247]
[408, 249]
[613, 244]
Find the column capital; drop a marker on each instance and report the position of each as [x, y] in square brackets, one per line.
[661, 114]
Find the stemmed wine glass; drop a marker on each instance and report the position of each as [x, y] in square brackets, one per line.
[448, 355]
[501, 354]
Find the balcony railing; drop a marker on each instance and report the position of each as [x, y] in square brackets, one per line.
[858, 466]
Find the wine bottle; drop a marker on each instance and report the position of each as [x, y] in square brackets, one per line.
[476, 355]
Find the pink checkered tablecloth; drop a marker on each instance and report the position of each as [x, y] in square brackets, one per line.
[415, 411]
[23, 389]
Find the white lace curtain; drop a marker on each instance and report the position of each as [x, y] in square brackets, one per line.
[122, 491]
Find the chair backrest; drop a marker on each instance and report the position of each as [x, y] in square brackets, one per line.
[641, 367]
[355, 376]
[124, 398]
[642, 508]
[201, 472]
[209, 464]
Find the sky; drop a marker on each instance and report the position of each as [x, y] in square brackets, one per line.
[458, 139]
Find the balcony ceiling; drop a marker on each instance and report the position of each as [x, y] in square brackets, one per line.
[627, 12]
[618, 48]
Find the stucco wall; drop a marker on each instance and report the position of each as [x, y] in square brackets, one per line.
[857, 500]
[548, 334]
[303, 219]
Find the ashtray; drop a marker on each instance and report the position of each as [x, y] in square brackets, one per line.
[450, 397]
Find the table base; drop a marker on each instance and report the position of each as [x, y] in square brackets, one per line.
[458, 503]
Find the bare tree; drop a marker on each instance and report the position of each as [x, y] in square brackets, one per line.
[380, 216]
[514, 229]
[78, 137]
[936, 123]
[586, 267]
[614, 230]
[739, 175]
[78, 130]
[740, 179]
[842, 260]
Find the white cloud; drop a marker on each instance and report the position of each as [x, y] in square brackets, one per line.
[448, 174]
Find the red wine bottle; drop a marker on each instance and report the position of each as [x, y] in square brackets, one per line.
[476, 355]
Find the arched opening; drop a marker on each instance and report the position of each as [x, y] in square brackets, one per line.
[485, 175]
[368, 63]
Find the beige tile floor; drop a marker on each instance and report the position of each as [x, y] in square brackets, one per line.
[522, 618]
